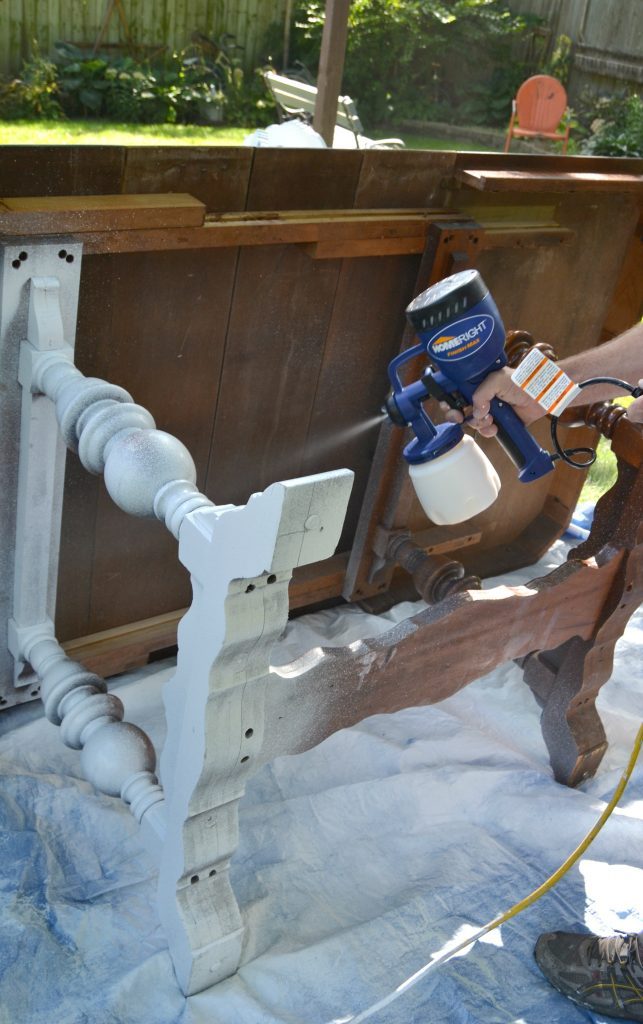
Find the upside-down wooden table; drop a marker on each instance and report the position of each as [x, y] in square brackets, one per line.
[254, 311]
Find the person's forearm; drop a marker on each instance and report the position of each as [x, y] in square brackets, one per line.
[622, 357]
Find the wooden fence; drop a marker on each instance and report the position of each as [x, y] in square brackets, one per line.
[167, 23]
[605, 33]
[606, 36]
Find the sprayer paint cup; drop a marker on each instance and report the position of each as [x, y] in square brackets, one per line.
[457, 485]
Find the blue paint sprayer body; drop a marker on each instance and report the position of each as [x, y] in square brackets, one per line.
[462, 335]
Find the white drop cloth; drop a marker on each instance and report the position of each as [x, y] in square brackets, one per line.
[288, 134]
[358, 860]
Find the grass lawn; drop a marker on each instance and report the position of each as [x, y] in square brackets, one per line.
[109, 133]
[602, 474]
[413, 141]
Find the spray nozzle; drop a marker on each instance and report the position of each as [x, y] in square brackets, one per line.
[391, 410]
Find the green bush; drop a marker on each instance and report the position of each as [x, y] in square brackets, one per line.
[175, 89]
[560, 63]
[489, 102]
[202, 84]
[613, 125]
[34, 93]
[247, 103]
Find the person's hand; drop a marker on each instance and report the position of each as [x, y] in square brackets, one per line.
[635, 410]
[496, 385]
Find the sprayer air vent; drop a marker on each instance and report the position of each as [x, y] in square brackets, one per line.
[446, 298]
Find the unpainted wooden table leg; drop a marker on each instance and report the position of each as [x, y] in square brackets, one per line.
[570, 723]
[566, 681]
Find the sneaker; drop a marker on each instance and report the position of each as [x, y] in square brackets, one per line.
[604, 975]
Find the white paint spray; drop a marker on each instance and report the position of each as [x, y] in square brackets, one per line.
[330, 442]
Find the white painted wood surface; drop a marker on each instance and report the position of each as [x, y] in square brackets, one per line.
[117, 757]
[38, 317]
[241, 561]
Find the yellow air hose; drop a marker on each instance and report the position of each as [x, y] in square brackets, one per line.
[517, 907]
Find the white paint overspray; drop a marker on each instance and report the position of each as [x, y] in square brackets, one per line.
[329, 442]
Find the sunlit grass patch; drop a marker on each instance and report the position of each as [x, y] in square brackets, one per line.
[110, 133]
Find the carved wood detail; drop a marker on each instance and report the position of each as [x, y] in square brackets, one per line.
[434, 576]
[566, 680]
[434, 654]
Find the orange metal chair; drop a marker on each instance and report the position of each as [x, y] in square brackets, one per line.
[537, 110]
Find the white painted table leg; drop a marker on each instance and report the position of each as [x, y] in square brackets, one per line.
[117, 758]
[241, 561]
[45, 314]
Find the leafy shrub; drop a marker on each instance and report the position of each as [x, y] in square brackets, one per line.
[139, 92]
[489, 102]
[410, 58]
[614, 125]
[34, 93]
[247, 103]
[81, 81]
[560, 63]
[197, 85]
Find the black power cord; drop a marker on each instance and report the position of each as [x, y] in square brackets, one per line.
[566, 453]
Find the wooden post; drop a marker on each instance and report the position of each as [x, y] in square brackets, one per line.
[331, 67]
[287, 20]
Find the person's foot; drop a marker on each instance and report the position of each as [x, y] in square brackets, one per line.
[604, 975]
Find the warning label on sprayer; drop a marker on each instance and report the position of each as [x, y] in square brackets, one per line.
[545, 382]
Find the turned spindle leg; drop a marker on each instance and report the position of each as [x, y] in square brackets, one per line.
[434, 576]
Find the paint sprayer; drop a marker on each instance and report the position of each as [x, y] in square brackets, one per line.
[462, 335]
